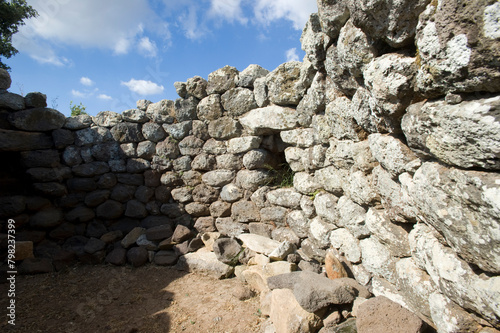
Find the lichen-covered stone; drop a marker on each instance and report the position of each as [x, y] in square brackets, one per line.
[127, 132]
[197, 87]
[285, 197]
[300, 137]
[191, 146]
[453, 276]
[341, 123]
[231, 193]
[269, 119]
[389, 79]
[457, 49]
[210, 108]
[92, 135]
[5, 80]
[315, 99]
[224, 128]
[153, 132]
[35, 100]
[394, 198]
[244, 212]
[314, 41]
[37, 120]
[343, 240]
[393, 236]
[260, 92]
[393, 155]
[252, 179]
[393, 22]
[238, 101]
[161, 112]
[248, 76]
[222, 80]
[289, 82]
[464, 135]
[332, 15]
[203, 162]
[168, 149]
[135, 115]
[107, 119]
[185, 109]
[218, 178]
[257, 159]
[182, 164]
[464, 207]
[243, 144]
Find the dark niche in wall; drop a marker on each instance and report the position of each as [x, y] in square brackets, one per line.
[13, 178]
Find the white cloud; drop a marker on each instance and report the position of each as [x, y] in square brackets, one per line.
[297, 11]
[86, 81]
[229, 10]
[196, 19]
[77, 93]
[122, 46]
[148, 48]
[291, 55]
[189, 23]
[105, 97]
[39, 50]
[143, 87]
[114, 25]
[86, 93]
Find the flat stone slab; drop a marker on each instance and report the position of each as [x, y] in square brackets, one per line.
[206, 262]
[314, 292]
[269, 119]
[259, 244]
[381, 315]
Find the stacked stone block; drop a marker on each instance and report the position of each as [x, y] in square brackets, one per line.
[389, 127]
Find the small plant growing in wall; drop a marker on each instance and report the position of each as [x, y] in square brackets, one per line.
[282, 176]
[313, 195]
[77, 110]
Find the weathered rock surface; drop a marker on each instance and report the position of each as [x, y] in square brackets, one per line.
[222, 80]
[453, 276]
[463, 206]
[314, 292]
[248, 76]
[23, 141]
[269, 119]
[238, 101]
[38, 119]
[288, 316]
[464, 135]
[289, 82]
[457, 48]
[413, 218]
[380, 314]
[227, 250]
[392, 154]
[394, 23]
[206, 262]
[259, 244]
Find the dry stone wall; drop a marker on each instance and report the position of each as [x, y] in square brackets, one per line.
[376, 157]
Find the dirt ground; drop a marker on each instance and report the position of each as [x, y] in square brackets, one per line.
[129, 300]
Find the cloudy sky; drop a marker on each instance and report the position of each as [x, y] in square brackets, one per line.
[107, 54]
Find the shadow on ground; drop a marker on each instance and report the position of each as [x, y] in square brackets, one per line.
[93, 299]
[105, 298]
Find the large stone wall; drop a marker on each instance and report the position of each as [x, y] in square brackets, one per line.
[380, 150]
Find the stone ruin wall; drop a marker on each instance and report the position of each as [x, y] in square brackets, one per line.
[390, 128]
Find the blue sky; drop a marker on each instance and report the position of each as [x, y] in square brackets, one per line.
[107, 54]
